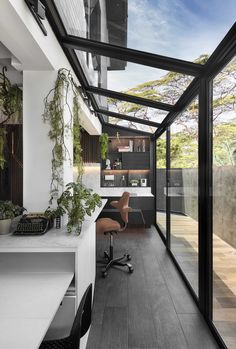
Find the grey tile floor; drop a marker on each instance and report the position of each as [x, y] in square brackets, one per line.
[150, 308]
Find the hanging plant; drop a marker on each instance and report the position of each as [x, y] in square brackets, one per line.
[76, 200]
[78, 160]
[103, 140]
[10, 105]
[56, 102]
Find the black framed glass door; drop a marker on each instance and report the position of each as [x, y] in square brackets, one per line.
[161, 183]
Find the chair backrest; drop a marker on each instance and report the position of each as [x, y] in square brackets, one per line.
[123, 206]
[82, 319]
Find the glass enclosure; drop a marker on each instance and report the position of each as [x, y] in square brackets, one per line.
[131, 109]
[135, 79]
[161, 183]
[183, 192]
[224, 203]
[168, 28]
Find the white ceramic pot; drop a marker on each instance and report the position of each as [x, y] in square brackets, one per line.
[5, 225]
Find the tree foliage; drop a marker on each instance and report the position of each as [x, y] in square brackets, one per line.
[184, 133]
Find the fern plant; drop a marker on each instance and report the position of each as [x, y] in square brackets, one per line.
[77, 201]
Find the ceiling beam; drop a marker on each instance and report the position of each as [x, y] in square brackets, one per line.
[128, 118]
[131, 55]
[127, 129]
[129, 98]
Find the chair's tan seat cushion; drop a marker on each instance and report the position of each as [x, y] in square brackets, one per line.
[107, 224]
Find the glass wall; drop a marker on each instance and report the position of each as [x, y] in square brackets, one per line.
[161, 185]
[151, 26]
[224, 204]
[183, 192]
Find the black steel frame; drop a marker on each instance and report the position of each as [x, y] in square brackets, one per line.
[36, 17]
[129, 98]
[202, 86]
[129, 118]
[131, 55]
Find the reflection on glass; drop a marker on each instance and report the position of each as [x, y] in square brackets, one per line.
[161, 183]
[131, 124]
[224, 204]
[183, 192]
[81, 17]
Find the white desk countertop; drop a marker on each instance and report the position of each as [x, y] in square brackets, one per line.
[30, 297]
[134, 191]
[54, 240]
[28, 304]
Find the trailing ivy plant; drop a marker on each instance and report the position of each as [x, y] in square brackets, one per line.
[103, 140]
[76, 200]
[57, 100]
[10, 104]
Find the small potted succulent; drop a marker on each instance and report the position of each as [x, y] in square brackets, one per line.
[8, 211]
[134, 182]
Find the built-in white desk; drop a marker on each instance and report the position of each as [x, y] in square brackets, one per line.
[28, 304]
[36, 272]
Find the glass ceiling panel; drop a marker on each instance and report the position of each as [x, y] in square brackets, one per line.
[131, 124]
[181, 29]
[135, 79]
[130, 109]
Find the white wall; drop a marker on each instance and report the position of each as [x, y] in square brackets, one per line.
[40, 57]
[20, 33]
[37, 147]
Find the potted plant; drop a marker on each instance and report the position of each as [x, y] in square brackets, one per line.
[77, 201]
[8, 211]
[103, 140]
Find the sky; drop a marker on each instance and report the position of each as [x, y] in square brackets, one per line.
[182, 29]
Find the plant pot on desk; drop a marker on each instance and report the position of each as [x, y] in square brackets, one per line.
[5, 225]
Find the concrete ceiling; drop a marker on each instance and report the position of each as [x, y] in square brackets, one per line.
[7, 59]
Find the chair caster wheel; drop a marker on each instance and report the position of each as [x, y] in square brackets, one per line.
[131, 270]
[128, 257]
[104, 274]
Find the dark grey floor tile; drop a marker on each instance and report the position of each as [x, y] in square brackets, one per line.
[114, 334]
[196, 332]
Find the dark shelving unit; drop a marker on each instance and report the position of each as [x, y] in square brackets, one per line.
[127, 166]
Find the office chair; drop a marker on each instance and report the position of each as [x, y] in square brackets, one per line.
[80, 326]
[110, 226]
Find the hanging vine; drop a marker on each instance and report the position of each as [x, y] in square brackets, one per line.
[57, 100]
[103, 140]
[10, 104]
[78, 160]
